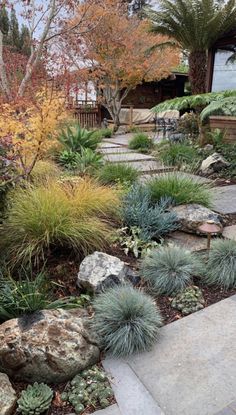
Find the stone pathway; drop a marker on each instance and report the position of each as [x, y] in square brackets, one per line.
[225, 199]
[190, 371]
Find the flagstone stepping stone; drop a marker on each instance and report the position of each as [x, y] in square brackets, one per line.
[108, 145]
[111, 410]
[120, 139]
[149, 167]
[229, 232]
[194, 243]
[225, 199]
[116, 150]
[119, 158]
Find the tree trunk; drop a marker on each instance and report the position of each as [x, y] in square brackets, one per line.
[198, 71]
[3, 74]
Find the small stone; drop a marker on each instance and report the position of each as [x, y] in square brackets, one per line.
[213, 163]
[229, 232]
[100, 270]
[7, 396]
[191, 216]
[50, 346]
[208, 147]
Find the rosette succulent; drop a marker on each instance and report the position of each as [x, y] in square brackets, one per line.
[35, 400]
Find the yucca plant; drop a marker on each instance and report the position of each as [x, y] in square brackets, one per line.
[74, 215]
[141, 142]
[126, 320]
[221, 264]
[74, 138]
[153, 221]
[117, 173]
[169, 269]
[182, 189]
[195, 26]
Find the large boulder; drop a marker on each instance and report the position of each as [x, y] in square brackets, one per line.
[7, 396]
[190, 217]
[213, 163]
[49, 346]
[99, 271]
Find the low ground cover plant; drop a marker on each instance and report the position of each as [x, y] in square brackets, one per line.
[35, 399]
[89, 388]
[130, 241]
[141, 142]
[126, 320]
[76, 215]
[117, 173]
[153, 220]
[221, 264]
[182, 189]
[169, 269]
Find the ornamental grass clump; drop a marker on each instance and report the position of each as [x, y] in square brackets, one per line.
[117, 173]
[182, 189]
[141, 142]
[169, 270]
[74, 215]
[221, 265]
[126, 320]
[153, 220]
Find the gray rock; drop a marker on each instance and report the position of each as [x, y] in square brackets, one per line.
[213, 163]
[7, 396]
[50, 346]
[192, 216]
[100, 270]
[208, 147]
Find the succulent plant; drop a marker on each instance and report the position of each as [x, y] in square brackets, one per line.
[35, 400]
[90, 388]
[189, 301]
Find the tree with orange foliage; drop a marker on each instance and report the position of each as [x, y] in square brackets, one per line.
[119, 53]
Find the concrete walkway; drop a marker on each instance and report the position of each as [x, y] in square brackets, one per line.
[190, 371]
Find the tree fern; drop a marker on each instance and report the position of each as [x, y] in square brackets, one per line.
[226, 106]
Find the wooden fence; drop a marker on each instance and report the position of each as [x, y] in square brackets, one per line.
[88, 113]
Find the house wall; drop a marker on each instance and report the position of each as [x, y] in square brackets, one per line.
[224, 74]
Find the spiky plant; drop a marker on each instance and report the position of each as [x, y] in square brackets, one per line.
[221, 265]
[35, 400]
[74, 138]
[153, 220]
[117, 173]
[194, 26]
[169, 269]
[126, 320]
[182, 189]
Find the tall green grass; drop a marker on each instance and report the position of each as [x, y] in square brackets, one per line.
[141, 142]
[182, 189]
[117, 173]
[74, 215]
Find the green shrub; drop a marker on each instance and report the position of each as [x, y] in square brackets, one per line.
[117, 173]
[153, 221]
[178, 154]
[131, 242]
[104, 133]
[221, 265]
[188, 124]
[181, 189]
[169, 270]
[141, 142]
[74, 138]
[126, 321]
[72, 214]
[35, 400]
[28, 294]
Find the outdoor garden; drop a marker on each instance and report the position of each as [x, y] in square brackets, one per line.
[88, 265]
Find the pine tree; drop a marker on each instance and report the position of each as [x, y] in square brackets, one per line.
[4, 21]
[14, 33]
[25, 40]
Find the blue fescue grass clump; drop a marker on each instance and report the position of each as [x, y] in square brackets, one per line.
[153, 220]
[170, 269]
[221, 265]
[126, 320]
